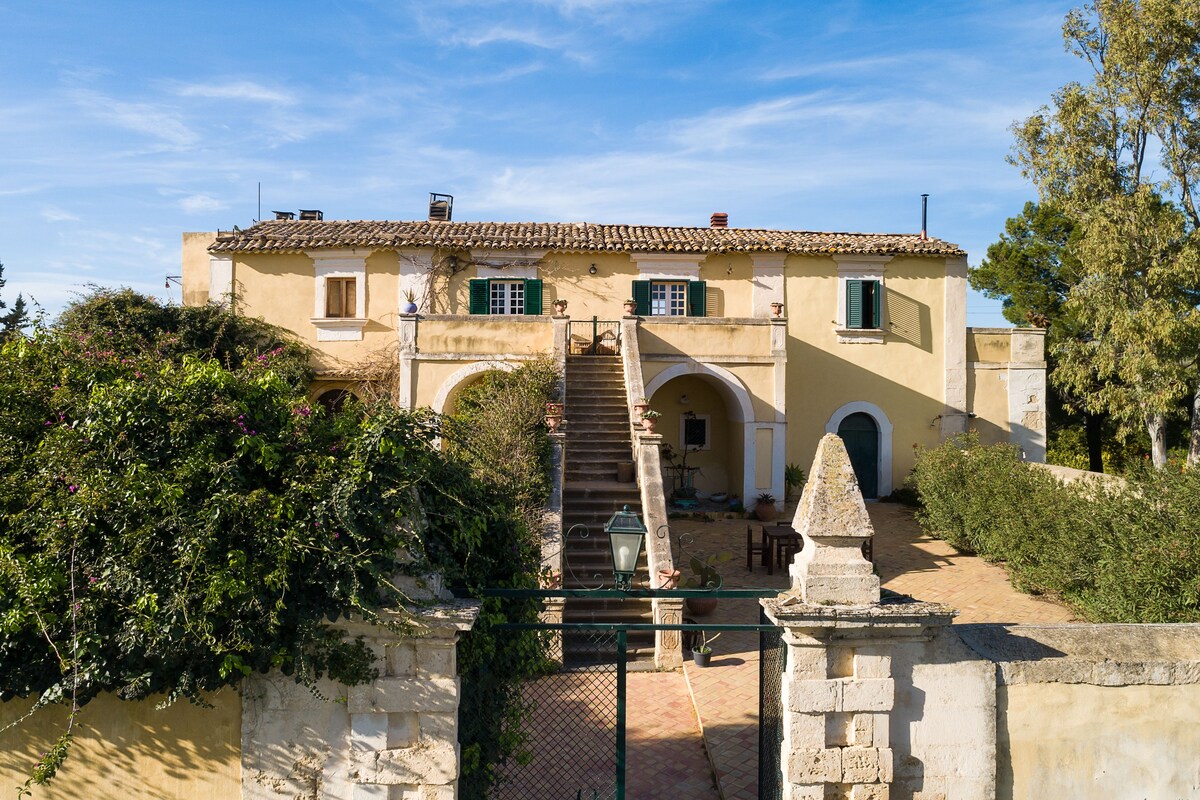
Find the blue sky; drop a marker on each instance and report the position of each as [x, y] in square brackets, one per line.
[124, 124]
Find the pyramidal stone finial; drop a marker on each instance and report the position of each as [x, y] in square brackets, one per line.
[832, 519]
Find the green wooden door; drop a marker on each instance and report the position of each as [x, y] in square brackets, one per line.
[861, 435]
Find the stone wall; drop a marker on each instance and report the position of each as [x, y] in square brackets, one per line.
[883, 700]
[395, 738]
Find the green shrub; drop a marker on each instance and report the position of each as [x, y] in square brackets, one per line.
[175, 515]
[1118, 553]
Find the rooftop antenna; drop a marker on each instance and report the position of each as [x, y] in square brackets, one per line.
[924, 216]
[259, 217]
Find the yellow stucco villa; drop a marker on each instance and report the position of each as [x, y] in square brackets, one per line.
[751, 343]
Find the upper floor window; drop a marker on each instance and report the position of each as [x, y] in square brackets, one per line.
[341, 297]
[863, 304]
[670, 298]
[492, 296]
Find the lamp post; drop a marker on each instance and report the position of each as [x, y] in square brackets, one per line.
[625, 536]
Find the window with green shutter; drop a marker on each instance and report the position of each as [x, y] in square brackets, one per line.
[863, 304]
[498, 296]
[670, 298]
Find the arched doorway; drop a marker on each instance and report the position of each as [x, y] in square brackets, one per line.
[861, 435]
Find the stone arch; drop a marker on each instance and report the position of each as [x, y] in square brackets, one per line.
[462, 376]
[733, 391]
[885, 437]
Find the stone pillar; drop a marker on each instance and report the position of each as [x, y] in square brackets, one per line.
[552, 541]
[396, 736]
[406, 331]
[838, 689]
[1027, 392]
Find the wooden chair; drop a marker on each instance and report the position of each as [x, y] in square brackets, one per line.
[752, 547]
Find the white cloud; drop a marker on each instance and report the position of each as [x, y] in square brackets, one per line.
[56, 214]
[830, 68]
[155, 121]
[504, 34]
[238, 90]
[200, 203]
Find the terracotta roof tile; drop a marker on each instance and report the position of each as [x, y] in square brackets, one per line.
[292, 236]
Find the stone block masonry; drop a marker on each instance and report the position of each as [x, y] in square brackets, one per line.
[838, 688]
[395, 738]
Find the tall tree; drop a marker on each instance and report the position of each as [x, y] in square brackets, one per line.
[16, 318]
[1093, 154]
[1033, 268]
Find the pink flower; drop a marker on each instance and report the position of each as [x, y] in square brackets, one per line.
[72, 488]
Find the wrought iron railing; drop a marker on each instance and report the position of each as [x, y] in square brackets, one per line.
[594, 337]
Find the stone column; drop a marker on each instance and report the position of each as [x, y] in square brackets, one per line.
[396, 736]
[838, 688]
[406, 332]
[1027, 392]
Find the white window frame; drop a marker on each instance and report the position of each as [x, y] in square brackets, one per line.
[510, 300]
[350, 263]
[861, 268]
[670, 302]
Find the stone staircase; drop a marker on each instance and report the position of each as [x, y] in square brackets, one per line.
[597, 440]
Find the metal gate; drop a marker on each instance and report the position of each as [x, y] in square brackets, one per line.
[576, 718]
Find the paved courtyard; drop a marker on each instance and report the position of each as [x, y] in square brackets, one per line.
[725, 695]
[694, 733]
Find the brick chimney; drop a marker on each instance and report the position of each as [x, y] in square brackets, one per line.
[719, 219]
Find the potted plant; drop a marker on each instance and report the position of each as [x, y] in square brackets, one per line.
[650, 418]
[702, 649]
[668, 579]
[630, 308]
[705, 576]
[764, 508]
[793, 478]
[410, 301]
[555, 408]
[560, 307]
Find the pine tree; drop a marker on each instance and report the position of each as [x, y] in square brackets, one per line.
[16, 318]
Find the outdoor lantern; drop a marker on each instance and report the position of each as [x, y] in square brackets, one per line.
[625, 535]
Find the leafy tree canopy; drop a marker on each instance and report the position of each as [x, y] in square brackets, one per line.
[1092, 154]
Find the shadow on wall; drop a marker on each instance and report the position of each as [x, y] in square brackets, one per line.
[909, 320]
[130, 749]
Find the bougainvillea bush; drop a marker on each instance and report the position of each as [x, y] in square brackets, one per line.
[175, 514]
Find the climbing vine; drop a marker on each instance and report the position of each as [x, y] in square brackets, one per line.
[176, 515]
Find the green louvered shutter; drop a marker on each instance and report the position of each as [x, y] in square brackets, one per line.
[479, 296]
[854, 304]
[697, 299]
[877, 295]
[641, 296]
[533, 297]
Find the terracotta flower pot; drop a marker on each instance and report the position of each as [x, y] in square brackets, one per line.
[630, 309]
[701, 606]
[668, 579]
[555, 409]
[553, 421]
[648, 424]
[766, 512]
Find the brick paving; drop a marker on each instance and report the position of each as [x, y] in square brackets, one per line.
[684, 727]
[908, 561]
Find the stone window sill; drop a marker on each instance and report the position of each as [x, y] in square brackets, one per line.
[860, 335]
[339, 329]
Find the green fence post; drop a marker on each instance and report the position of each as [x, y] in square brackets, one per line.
[622, 654]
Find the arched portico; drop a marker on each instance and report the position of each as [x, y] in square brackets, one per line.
[885, 437]
[462, 376]
[763, 445]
